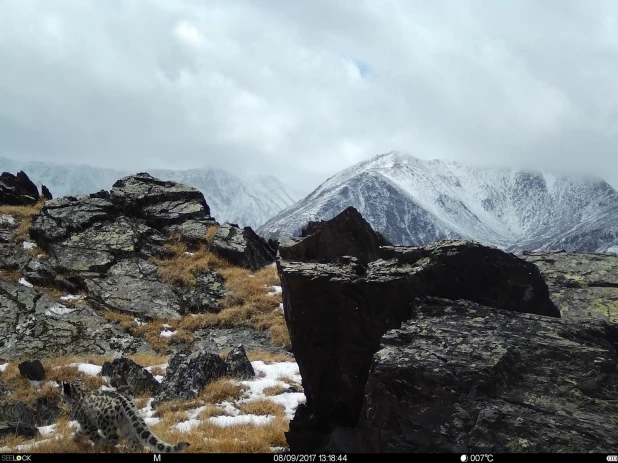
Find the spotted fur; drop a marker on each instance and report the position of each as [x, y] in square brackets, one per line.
[110, 412]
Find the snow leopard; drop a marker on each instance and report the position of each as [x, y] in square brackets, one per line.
[108, 412]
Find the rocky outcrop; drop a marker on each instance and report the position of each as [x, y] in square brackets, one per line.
[242, 247]
[17, 190]
[339, 307]
[347, 234]
[582, 285]
[205, 295]
[461, 377]
[125, 372]
[32, 324]
[187, 373]
[103, 243]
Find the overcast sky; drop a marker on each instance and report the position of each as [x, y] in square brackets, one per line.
[303, 89]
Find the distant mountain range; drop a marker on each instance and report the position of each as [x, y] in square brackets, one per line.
[248, 201]
[416, 202]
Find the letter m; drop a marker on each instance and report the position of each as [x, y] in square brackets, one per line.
[157, 457]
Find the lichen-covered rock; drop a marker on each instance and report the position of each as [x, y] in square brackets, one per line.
[17, 190]
[160, 203]
[242, 247]
[124, 371]
[32, 370]
[237, 364]
[133, 286]
[193, 232]
[205, 295]
[34, 325]
[460, 377]
[187, 373]
[581, 285]
[14, 411]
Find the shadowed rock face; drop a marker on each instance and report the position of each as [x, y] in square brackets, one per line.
[17, 190]
[461, 377]
[338, 312]
[242, 247]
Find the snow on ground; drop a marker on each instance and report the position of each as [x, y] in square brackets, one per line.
[23, 281]
[3, 367]
[168, 334]
[58, 309]
[7, 219]
[71, 297]
[46, 430]
[29, 245]
[227, 421]
[275, 290]
[87, 368]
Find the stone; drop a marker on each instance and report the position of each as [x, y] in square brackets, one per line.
[14, 411]
[465, 378]
[205, 295]
[237, 364]
[188, 373]
[46, 412]
[32, 370]
[45, 193]
[17, 190]
[124, 371]
[242, 247]
[347, 234]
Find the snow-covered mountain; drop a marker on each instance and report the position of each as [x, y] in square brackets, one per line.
[416, 202]
[251, 201]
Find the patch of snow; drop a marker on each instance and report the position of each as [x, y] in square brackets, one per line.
[58, 309]
[35, 383]
[229, 408]
[107, 388]
[193, 414]
[189, 253]
[168, 334]
[87, 368]
[73, 424]
[71, 297]
[612, 250]
[186, 426]
[23, 281]
[46, 430]
[151, 421]
[3, 367]
[138, 322]
[159, 378]
[163, 366]
[29, 245]
[227, 421]
[273, 265]
[290, 400]
[275, 290]
[25, 447]
[166, 326]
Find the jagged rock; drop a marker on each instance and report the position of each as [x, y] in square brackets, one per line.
[8, 227]
[205, 295]
[34, 325]
[242, 247]
[46, 412]
[133, 286]
[193, 232]
[237, 364]
[160, 203]
[14, 411]
[274, 244]
[581, 285]
[125, 371]
[18, 429]
[339, 311]
[347, 234]
[45, 193]
[17, 190]
[32, 370]
[460, 377]
[187, 373]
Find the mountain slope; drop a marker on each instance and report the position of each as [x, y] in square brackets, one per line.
[416, 202]
[249, 201]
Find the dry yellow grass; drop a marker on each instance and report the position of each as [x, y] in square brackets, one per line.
[212, 410]
[174, 406]
[23, 214]
[222, 389]
[9, 275]
[268, 357]
[262, 407]
[151, 331]
[274, 390]
[149, 360]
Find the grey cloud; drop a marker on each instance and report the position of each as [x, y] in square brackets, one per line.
[304, 89]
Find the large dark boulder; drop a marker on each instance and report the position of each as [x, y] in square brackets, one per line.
[17, 190]
[237, 364]
[242, 247]
[347, 234]
[32, 370]
[45, 193]
[187, 373]
[465, 378]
